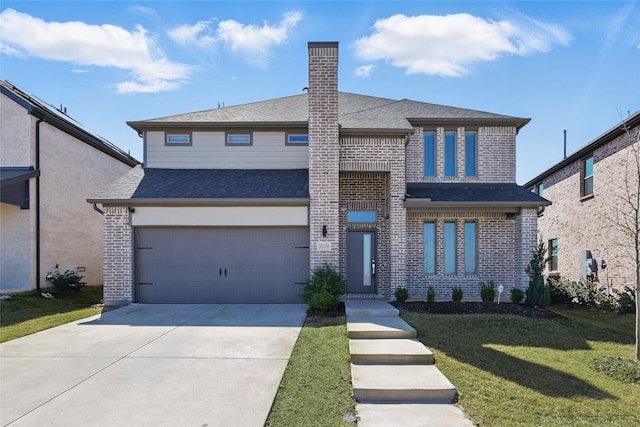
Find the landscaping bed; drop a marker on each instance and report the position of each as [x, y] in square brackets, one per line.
[451, 307]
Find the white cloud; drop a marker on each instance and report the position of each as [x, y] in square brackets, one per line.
[254, 42]
[447, 45]
[94, 45]
[364, 70]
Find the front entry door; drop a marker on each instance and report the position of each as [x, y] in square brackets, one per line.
[361, 262]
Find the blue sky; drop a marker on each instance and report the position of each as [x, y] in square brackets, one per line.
[566, 65]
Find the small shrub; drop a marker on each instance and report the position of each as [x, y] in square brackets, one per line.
[322, 291]
[537, 294]
[516, 295]
[402, 294]
[619, 368]
[431, 294]
[456, 294]
[626, 300]
[69, 280]
[488, 291]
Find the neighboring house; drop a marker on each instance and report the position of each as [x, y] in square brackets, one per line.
[239, 204]
[589, 194]
[49, 165]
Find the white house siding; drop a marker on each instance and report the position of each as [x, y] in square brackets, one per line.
[590, 224]
[71, 230]
[17, 260]
[496, 155]
[208, 151]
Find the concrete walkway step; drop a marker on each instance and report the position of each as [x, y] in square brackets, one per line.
[411, 415]
[369, 307]
[378, 327]
[401, 384]
[390, 351]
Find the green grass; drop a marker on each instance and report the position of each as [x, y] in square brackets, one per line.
[29, 313]
[517, 371]
[316, 387]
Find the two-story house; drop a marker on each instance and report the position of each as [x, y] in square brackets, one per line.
[241, 203]
[594, 192]
[49, 165]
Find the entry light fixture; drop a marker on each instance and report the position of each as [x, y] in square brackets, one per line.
[324, 231]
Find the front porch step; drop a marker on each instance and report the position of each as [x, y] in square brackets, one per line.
[374, 327]
[390, 351]
[401, 384]
[369, 307]
[411, 415]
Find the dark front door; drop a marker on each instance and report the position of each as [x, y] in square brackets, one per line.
[361, 262]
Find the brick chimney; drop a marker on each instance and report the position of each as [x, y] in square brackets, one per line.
[323, 153]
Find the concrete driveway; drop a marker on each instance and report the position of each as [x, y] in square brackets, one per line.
[151, 365]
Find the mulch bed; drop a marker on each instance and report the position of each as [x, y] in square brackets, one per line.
[451, 307]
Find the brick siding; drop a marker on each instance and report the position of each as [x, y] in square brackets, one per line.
[590, 223]
[118, 256]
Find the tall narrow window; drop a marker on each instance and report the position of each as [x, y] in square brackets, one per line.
[553, 255]
[588, 177]
[429, 247]
[450, 154]
[429, 154]
[470, 247]
[540, 189]
[449, 247]
[470, 150]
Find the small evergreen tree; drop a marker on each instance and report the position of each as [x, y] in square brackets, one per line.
[537, 294]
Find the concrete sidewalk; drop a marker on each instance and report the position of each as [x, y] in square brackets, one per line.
[151, 365]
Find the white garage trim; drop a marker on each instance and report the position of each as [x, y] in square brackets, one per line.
[220, 216]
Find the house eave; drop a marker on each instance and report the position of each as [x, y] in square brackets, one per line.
[399, 132]
[508, 207]
[142, 126]
[203, 202]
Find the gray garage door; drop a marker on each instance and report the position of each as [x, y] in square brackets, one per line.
[221, 265]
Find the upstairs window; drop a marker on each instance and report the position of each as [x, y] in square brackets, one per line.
[470, 154]
[177, 139]
[239, 139]
[450, 154]
[429, 154]
[587, 177]
[297, 139]
[540, 190]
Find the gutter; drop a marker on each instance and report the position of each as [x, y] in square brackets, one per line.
[40, 120]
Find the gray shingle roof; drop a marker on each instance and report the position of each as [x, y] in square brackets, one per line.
[474, 193]
[354, 112]
[144, 184]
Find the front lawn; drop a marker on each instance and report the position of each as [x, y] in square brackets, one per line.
[316, 388]
[29, 313]
[519, 371]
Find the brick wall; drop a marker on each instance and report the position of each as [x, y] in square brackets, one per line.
[496, 254]
[323, 153]
[591, 223]
[118, 256]
[496, 155]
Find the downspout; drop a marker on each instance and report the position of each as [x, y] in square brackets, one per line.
[38, 288]
[97, 209]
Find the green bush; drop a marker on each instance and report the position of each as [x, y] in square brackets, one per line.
[619, 368]
[516, 295]
[626, 300]
[537, 294]
[69, 280]
[322, 291]
[431, 294]
[402, 294]
[487, 291]
[456, 294]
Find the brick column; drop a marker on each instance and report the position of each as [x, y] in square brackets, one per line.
[526, 235]
[118, 256]
[398, 223]
[323, 153]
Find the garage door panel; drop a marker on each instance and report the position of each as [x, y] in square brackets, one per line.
[221, 265]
